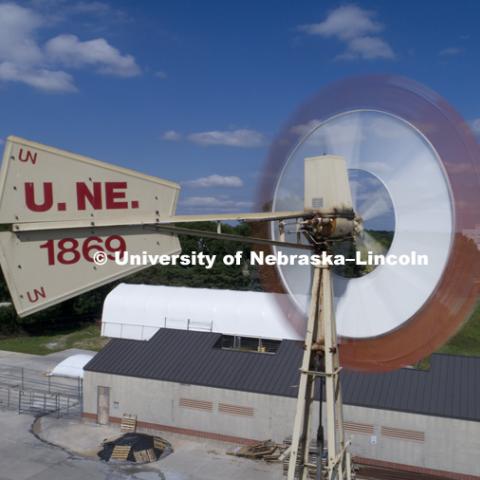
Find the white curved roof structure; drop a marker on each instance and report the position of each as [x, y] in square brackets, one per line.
[72, 366]
[138, 311]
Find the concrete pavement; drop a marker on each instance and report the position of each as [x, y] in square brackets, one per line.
[66, 448]
[23, 456]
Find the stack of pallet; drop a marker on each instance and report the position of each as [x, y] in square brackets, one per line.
[266, 450]
[120, 452]
[145, 456]
[160, 444]
[129, 423]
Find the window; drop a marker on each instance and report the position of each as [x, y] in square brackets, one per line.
[248, 344]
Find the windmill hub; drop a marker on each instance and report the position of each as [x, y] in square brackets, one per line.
[320, 230]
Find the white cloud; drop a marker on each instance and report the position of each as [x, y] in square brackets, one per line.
[368, 48]
[201, 202]
[23, 59]
[70, 51]
[215, 181]
[17, 34]
[345, 22]
[357, 29]
[161, 75]
[234, 138]
[475, 126]
[450, 52]
[217, 202]
[172, 136]
[43, 79]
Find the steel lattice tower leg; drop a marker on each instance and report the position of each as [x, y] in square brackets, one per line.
[320, 359]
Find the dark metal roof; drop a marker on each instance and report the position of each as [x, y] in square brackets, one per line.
[450, 388]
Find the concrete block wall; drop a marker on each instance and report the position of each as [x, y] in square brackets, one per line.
[448, 444]
[426, 442]
[244, 415]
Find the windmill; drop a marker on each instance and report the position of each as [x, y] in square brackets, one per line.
[109, 209]
[54, 224]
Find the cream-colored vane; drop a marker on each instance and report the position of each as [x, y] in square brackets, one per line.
[60, 211]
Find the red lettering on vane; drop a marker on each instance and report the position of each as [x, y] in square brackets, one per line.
[88, 196]
[113, 194]
[34, 296]
[30, 201]
[93, 196]
[68, 251]
[27, 157]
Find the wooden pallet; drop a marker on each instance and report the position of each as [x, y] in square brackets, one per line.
[266, 450]
[120, 452]
[159, 443]
[129, 423]
[143, 456]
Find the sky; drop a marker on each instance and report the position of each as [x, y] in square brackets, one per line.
[194, 92]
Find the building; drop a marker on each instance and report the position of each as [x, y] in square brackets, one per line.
[137, 312]
[224, 387]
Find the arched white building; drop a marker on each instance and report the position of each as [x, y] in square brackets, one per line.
[137, 312]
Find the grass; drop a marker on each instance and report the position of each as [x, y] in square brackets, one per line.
[86, 337]
[467, 340]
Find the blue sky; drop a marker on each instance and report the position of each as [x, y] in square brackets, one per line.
[195, 91]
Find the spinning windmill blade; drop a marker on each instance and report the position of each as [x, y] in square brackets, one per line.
[415, 178]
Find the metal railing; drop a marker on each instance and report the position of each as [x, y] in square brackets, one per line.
[31, 391]
[145, 332]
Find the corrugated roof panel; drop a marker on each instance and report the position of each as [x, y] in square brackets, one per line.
[450, 388]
